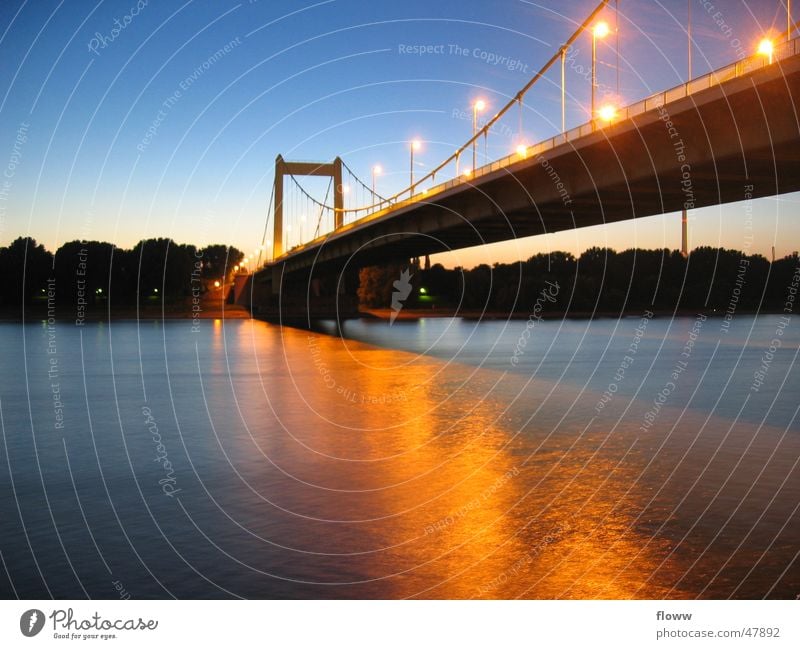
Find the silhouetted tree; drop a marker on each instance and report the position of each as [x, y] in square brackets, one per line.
[218, 260]
[164, 268]
[376, 284]
[83, 268]
[25, 268]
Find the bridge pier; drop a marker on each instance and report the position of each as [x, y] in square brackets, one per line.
[301, 297]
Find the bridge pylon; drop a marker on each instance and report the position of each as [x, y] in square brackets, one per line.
[285, 168]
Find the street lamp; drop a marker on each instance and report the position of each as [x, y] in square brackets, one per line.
[416, 145]
[478, 105]
[563, 89]
[600, 30]
[607, 113]
[377, 170]
[765, 48]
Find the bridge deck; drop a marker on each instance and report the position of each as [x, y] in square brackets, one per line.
[728, 136]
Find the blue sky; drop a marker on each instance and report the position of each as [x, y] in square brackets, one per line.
[124, 133]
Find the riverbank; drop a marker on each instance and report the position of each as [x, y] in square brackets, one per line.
[217, 311]
[207, 311]
[412, 315]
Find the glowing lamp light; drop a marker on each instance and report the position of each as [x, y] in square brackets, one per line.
[216, 284]
[235, 268]
[467, 173]
[480, 105]
[601, 30]
[422, 290]
[377, 170]
[607, 113]
[522, 150]
[766, 48]
[416, 145]
[345, 189]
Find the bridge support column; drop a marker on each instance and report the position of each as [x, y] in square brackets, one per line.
[338, 195]
[277, 233]
[277, 277]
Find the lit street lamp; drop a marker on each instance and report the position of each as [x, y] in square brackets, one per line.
[607, 113]
[377, 170]
[765, 48]
[600, 30]
[478, 105]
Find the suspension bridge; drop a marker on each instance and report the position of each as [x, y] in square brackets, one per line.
[730, 135]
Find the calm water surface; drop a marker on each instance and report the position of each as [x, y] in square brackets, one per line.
[417, 460]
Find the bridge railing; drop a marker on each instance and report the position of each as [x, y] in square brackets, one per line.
[740, 68]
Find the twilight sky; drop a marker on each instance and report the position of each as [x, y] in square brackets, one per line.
[127, 119]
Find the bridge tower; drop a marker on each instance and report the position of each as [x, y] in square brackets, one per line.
[284, 168]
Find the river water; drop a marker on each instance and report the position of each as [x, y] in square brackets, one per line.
[442, 458]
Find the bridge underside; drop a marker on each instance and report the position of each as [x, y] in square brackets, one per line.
[734, 141]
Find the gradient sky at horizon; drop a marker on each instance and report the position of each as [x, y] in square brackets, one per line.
[313, 80]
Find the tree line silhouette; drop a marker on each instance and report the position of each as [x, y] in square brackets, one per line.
[96, 270]
[599, 280]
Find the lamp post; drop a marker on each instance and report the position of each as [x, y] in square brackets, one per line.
[415, 146]
[689, 38]
[478, 105]
[600, 30]
[563, 89]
